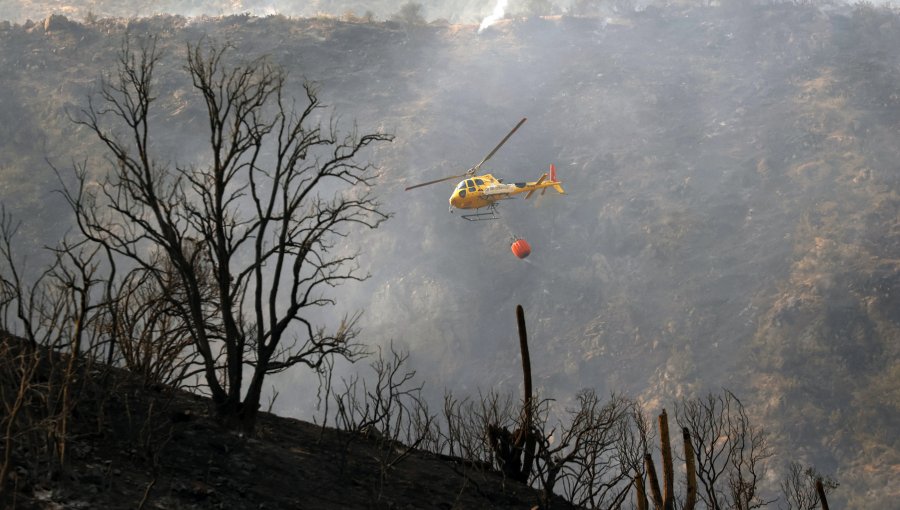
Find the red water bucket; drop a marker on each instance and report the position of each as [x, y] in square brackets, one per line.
[520, 248]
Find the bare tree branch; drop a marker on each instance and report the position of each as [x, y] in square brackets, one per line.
[731, 453]
[251, 236]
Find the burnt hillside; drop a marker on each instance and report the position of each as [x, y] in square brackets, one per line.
[731, 217]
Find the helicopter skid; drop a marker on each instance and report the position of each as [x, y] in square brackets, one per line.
[480, 217]
[491, 214]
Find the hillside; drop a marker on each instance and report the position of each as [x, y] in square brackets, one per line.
[731, 217]
[133, 447]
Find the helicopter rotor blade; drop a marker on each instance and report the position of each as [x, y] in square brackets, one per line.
[435, 181]
[478, 166]
[475, 168]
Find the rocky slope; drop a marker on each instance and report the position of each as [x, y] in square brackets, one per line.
[731, 216]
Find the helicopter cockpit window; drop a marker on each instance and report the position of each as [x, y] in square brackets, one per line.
[462, 193]
[479, 182]
[462, 185]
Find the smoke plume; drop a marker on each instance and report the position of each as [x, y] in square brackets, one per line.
[499, 11]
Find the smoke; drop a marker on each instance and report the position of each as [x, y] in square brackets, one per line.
[499, 11]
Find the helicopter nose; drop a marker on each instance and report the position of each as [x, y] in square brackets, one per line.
[454, 200]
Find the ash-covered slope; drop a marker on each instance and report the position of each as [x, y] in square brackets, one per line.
[731, 216]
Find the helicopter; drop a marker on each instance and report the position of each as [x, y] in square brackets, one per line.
[480, 191]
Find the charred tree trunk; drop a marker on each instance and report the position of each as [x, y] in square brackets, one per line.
[640, 493]
[653, 480]
[515, 451]
[525, 438]
[690, 464]
[668, 475]
[821, 490]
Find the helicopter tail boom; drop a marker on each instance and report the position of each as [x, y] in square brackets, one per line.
[538, 183]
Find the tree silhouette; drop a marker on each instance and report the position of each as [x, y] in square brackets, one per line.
[731, 453]
[251, 235]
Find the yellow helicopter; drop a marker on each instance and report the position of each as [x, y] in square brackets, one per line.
[479, 191]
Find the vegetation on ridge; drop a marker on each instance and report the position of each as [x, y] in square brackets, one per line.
[733, 225]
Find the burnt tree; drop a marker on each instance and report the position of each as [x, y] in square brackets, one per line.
[731, 454]
[514, 451]
[249, 230]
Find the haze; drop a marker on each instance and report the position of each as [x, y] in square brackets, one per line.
[454, 11]
[730, 218]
